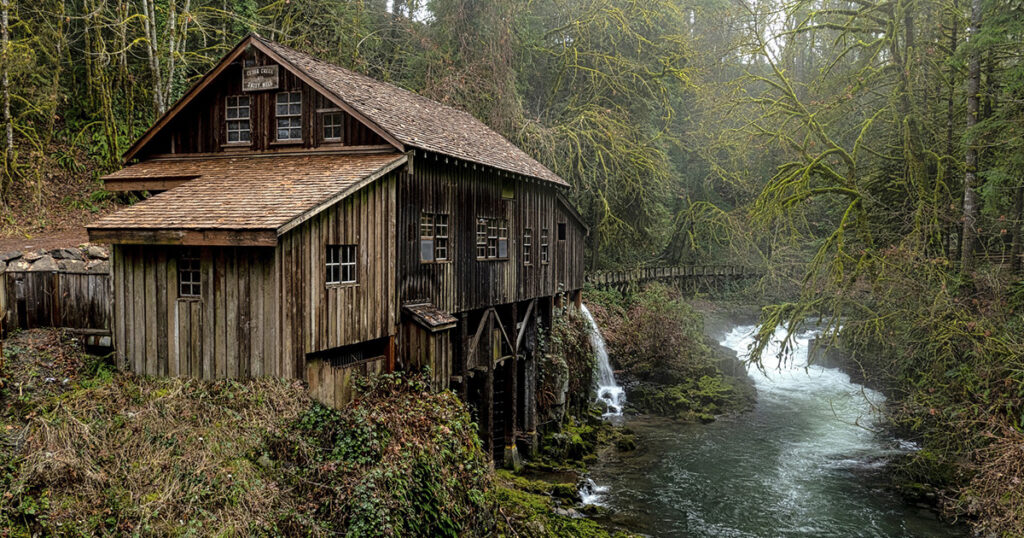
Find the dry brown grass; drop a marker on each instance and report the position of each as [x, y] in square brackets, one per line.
[122, 454]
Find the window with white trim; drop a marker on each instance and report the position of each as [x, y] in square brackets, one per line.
[341, 264]
[332, 126]
[189, 274]
[544, 245]
[491, 239]
[433, 237]
[527, 246]
[289, 116]
[237, 115]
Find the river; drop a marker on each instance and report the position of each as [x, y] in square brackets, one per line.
[806, 461]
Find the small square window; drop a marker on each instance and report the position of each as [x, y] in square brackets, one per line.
[341, 267]
[289, 116]
[332, 126]
[189, 274]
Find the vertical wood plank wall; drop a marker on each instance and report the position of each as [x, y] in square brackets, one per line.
[319, 317]
[420, 347]
[230, 331]
[465, 193]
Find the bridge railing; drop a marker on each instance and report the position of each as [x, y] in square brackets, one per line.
[678, 272]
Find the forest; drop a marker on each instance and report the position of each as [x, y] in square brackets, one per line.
[868, 155]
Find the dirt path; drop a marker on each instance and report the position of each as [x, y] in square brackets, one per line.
[71, 237]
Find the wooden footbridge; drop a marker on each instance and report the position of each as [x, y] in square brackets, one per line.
[690, 277]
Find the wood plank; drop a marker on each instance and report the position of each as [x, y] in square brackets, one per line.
[151, 319]
[162, 341]
[207, 322]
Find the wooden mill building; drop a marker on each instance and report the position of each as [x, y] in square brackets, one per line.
[318, 224]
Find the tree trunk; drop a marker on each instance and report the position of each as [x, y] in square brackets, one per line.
[153, 54]
[951, 245]
[971, 205]
[1017, 248]
[5, 88]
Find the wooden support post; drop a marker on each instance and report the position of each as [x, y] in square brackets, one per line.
[487, 413]
[389, 354]
[513, 382]
[464, 355]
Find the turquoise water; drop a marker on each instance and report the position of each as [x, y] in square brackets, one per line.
[807, 461]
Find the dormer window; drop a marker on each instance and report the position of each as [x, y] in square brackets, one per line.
[239, 129]
[289, 116]
[332, 126]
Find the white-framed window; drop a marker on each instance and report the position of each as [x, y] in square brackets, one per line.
[237, 115]
[341, 264]
[433, 237]
[544, 245]
[189, 274]
[527, 246]
[332, 126]
[289, 116]
[491, 239]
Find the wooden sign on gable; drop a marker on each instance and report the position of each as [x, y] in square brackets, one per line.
[259, 77]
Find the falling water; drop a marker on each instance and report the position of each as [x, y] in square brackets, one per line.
[608, 391]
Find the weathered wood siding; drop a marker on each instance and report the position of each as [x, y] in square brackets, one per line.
[201, 126]
[332, 385]
[74, 300]
[422, 348]
[319, 317]
[230, 331]
[439, 185]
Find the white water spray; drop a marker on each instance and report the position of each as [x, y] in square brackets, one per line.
[608, 391]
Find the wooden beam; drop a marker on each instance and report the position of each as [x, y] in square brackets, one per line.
[479, 331]
[227, 238]
[526, 321]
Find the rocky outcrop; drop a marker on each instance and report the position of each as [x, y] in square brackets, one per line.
[86, 258]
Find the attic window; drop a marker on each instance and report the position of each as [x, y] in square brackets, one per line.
[332, 126]
[289, 116]
[238, 119]
[561, 231]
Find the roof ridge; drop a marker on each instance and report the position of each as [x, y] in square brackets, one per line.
[432, 126]
[368, 78]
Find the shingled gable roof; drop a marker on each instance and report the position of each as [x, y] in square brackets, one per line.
[260, 198]
[397, 114]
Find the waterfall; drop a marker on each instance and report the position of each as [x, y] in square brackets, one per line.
[608, 391]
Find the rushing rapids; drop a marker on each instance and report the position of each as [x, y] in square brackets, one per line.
[609, 392]
[807, 461]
